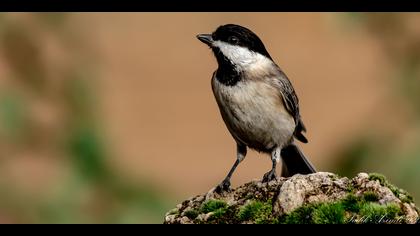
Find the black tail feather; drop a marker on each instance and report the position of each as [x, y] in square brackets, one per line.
[295, 162]
[300, 128]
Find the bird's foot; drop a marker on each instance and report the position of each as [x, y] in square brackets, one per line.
[223, 187]
[269, 176]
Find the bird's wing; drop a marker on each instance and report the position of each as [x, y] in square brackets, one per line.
[291, 102]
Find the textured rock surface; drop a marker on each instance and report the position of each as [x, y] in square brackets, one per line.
[316, 198]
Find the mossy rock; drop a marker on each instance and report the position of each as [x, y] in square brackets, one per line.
[320, 198]
[350, 210]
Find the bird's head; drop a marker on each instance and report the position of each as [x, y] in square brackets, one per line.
[235, 46]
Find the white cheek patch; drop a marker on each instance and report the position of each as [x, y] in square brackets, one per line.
[242, 57]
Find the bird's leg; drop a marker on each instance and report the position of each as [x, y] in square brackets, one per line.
[240, 156]
[275, 158]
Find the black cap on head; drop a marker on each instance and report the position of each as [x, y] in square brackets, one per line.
[241, 36]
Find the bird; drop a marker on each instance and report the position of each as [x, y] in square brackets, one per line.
[257, 102]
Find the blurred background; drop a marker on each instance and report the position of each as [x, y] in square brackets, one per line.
[110, 118]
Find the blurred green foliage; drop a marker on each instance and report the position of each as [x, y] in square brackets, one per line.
[13, 122]
[93, 192]
[376, 153]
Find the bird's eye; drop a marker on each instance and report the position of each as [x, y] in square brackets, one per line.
[233, 40]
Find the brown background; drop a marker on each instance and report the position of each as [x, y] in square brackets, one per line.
[158, 114]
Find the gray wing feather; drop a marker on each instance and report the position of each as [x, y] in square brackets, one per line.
[291, 102]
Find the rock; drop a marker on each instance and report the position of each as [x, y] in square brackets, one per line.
[300, 189]
[316, 198]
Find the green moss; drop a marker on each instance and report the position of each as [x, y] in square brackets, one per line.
[324, 213]
[403, 195]
[381, 178]
[370, 196]
[174, 211]
[351, 203]
[222, 213]
[212, 205]
[396, 191]
[374, 213]
[302, 215]
[406, 198]
[192, 214]
[219, 213]
[352, 209]
[257, 211]
[328, 213]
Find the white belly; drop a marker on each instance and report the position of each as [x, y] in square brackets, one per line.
[254, 114]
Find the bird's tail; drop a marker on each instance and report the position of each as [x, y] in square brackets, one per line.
[295, 162]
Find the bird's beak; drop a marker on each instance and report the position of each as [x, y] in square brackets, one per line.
[206, 38]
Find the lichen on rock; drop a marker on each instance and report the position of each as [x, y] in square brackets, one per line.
[320, 198]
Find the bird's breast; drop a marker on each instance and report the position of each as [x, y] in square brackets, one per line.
[254, 113]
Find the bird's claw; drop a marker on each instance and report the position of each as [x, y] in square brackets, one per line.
[269, 176]
[223, 187]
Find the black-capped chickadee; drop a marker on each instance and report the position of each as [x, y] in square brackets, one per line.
[257, 101]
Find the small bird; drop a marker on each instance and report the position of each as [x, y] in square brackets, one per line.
[257, 102]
